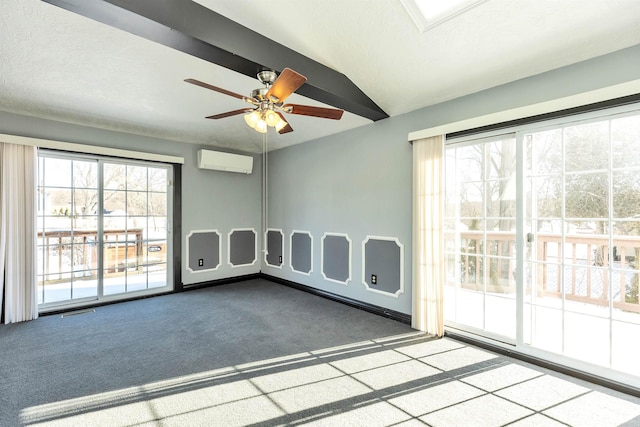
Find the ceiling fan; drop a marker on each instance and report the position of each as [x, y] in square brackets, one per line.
[268, 102]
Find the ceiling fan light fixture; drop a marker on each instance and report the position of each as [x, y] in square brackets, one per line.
[261, 126]
[280, 125]
[252, 118]
[271, 117]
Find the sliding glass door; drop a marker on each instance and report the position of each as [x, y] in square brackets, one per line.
[480, 223]
[582, 218]
[102, 228]
[543, 240]
[134, 227]
[67, 229]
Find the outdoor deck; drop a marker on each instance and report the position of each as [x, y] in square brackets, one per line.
[63, 252]
[579, 272]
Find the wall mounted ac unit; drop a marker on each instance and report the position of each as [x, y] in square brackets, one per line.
[219, 161]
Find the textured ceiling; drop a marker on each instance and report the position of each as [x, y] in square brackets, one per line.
[62, 66]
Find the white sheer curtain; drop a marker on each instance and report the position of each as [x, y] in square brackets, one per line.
[18, 169]
[428, 235]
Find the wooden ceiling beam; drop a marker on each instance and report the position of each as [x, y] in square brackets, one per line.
[193, 29]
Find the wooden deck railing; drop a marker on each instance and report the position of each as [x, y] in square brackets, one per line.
[580, 270]
[120, 251]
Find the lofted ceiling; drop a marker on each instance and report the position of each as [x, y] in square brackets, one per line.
[61, 65]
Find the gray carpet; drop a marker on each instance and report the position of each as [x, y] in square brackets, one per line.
[258, 353]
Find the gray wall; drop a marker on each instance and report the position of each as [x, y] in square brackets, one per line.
[359, 182]
[222, 201]
[356, 183]
[211, 200]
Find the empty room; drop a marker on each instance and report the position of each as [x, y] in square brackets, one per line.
[333, 212]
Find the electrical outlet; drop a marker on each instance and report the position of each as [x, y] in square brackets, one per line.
[200, 262]
[280, 259]
[374, 279]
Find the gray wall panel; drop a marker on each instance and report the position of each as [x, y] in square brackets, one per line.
[336, 258]
[242, 247]
[301, 251]
[383, 258]
[205, 246]
[275, 242]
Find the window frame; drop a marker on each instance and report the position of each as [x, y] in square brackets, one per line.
[172, 193]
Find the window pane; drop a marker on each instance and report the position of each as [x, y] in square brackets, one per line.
[548, 280]
[137, 178]
[469, 165]
[625, 351]
[452, 275]
[624, 291]
[115, 176]
[55, 288]
[626, 194]
[158, 180]
[470, 195]
[85, 174]
[470, 308]
[84, 257]
[625, 140]
[472, 243]
[544, 156]
[587, 196]
[544, 197]
[586, 337]
[158, 204]
[472, 272]
[114, 285]
[501, 274]
[155, 252]
[115, 202]
[451, 200]
[587, 147]
[156, 229]
[85, 202]
[501, 202]
[501, 244]
[157, 276]
[57, 172]
[57, 202]
[136, 203]
[541, 321]
[502, 162]
[627, 228]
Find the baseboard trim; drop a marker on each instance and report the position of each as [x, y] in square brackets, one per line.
[614, 385]
[380, 311]
[219, 282]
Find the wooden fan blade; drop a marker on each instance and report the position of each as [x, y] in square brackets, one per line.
[287, 128]
[215, 88]
[287, 82]
[229, 113]
[307, 110]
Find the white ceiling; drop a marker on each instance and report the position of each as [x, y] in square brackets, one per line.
[58, 65]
